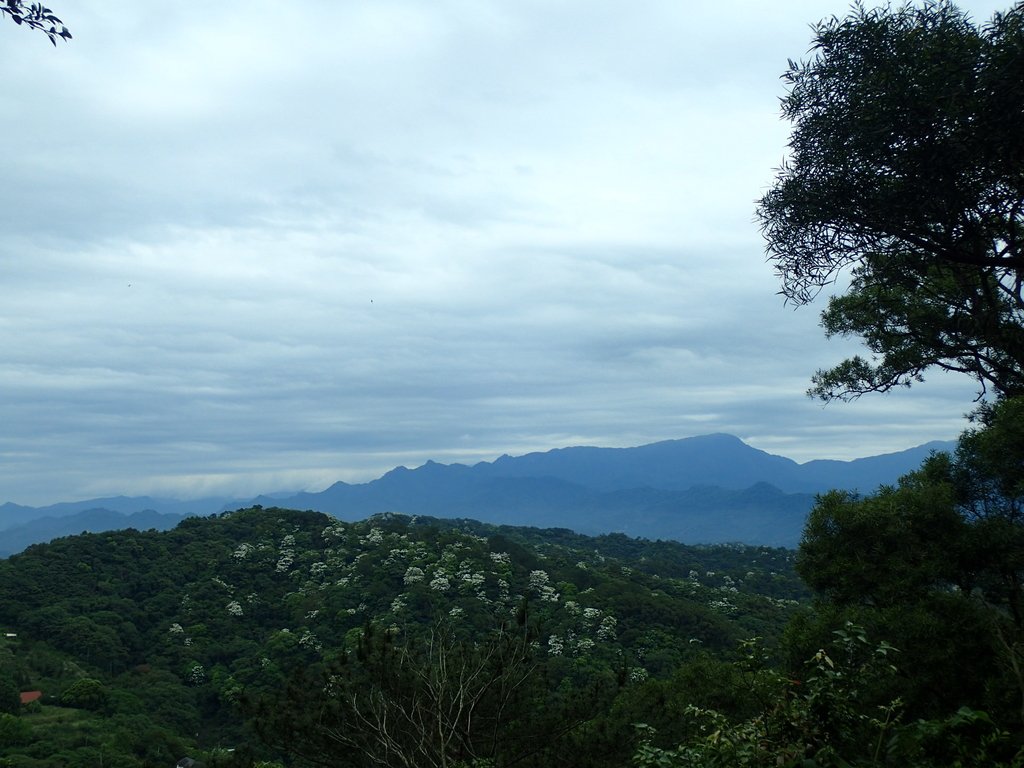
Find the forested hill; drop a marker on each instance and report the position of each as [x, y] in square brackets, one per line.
[228, 626]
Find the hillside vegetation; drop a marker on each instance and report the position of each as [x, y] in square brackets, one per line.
[240, 630]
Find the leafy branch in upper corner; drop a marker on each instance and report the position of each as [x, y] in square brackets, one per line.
[905, 171]
[35, 16]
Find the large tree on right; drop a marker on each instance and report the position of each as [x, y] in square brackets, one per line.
[904, 183]
[936, 566]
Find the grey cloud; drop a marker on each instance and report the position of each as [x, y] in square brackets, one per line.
[252, 251]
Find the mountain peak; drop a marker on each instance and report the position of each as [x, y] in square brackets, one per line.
[583, 487]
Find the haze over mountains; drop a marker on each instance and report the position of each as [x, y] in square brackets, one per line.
[706, 489]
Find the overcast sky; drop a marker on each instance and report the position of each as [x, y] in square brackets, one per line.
[255, 246]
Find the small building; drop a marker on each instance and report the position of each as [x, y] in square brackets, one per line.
[27, 697]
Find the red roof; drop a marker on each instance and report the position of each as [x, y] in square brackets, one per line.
[27, 697]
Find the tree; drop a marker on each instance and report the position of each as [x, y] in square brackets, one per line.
[85, 693]
[988, 476]
[35, 16]
[896, 562]
[446, 703]
[14, 731]
[443, 698]
[906, 170]
[832, 717]
[937, 564]
[891, 547]
[10, 699]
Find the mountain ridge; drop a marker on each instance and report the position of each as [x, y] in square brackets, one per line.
[704, 489]
[716, 459]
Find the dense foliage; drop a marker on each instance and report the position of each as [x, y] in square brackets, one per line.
[932, 571]
[938, 562]
[246, 629]
[907, 167]
[276, 635]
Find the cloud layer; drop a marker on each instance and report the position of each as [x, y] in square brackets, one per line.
[257, 246]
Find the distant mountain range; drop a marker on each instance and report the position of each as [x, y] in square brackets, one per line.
[706, 489]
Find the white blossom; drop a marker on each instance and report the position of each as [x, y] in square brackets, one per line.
[335, 531]
[285, 561]
[196, 674]
[235, 608]
[722, 606]
[316, 570]
[375, 536]
[223, 584]
[440, 582]
[606, 630]
[394, 555]
[413, 575]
